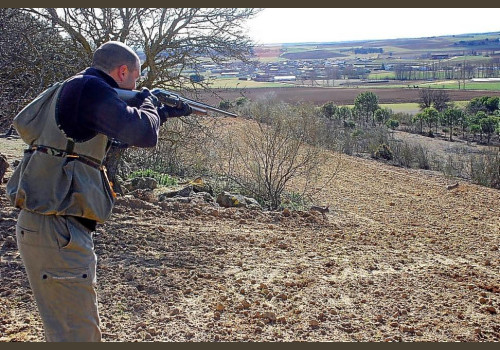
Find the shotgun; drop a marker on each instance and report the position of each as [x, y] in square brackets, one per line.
[173, 100]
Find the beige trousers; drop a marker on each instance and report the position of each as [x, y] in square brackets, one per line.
[58, 255]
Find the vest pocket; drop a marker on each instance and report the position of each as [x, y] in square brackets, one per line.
[89, 195]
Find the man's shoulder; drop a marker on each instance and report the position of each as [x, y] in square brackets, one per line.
[86, 84]
[85, 79]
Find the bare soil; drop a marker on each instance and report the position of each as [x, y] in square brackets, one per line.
[399, 257]
[341, 96]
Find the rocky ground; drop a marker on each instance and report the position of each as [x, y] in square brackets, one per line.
[400, 256]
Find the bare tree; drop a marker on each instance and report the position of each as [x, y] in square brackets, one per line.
[283, 145]
[441, 98]
[32, 57]
[169, 40]
[426, 97]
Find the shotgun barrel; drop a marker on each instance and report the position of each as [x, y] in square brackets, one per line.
[173, 100]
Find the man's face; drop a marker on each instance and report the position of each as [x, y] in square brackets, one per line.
[129, 78]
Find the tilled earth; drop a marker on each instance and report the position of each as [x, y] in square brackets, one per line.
[399, 257]
[340, 96]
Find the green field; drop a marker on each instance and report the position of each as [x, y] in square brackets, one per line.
[381, 75]
[413, 108]
[231, 83]
[453, 84]
[443, 84]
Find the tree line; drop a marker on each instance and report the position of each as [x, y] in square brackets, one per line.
[478, 121]
[447, 70]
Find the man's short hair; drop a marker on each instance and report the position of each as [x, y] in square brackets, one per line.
[113, 54]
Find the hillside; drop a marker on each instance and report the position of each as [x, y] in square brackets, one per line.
[399, 257]
[406, 48]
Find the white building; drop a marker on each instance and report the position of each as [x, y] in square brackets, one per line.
[285, 78]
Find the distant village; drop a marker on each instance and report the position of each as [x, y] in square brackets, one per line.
[289, 70]
[333, 68]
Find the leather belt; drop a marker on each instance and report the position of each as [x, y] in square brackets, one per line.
[71, 156]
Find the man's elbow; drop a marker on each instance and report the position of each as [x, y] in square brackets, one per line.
[145, 140]
[151, 141]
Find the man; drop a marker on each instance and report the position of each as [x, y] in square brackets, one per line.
[62, 188]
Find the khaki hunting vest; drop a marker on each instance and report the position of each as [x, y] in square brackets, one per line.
[58, 176]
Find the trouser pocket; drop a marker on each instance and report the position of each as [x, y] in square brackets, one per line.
[79, 275]
[67, 302]
[61, 264]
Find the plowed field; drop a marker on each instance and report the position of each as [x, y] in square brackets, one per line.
[341, 96]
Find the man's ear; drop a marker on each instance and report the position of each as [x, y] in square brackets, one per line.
[122, 71]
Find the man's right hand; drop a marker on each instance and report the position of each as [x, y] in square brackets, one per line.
[141, 96]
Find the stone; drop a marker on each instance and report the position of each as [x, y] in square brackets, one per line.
[491, 309]
[201, 186]
[143, 183]
[174, 312]
[270, 317]
[313, 324]
[3, 166]
[182, 192]
[230, 200]
[245, 304]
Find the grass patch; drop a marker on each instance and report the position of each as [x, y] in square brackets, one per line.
[411, 108]
[449, 85]
[163, 179]
[453, 84]
[382, 75]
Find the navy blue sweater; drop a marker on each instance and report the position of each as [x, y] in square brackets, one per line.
[88, 105]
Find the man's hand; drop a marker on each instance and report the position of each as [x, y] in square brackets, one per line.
[172, 112]
[141, 96]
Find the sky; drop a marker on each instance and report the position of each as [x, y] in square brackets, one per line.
[288, 25]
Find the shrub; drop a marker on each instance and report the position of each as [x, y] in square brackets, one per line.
[485, 169]
[383, 152]
[240, 101]
[422, 157]
[294, 201]
[392, 124]
[402, 154]
[225, 105]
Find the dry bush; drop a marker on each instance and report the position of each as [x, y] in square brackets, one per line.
[485, 168]
[280, 144]
[185, 148]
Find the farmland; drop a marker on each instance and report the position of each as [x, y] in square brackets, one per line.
[340, 96]
[395, 70]
[447, 62]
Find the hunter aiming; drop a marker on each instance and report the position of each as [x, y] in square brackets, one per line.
[61, 185]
